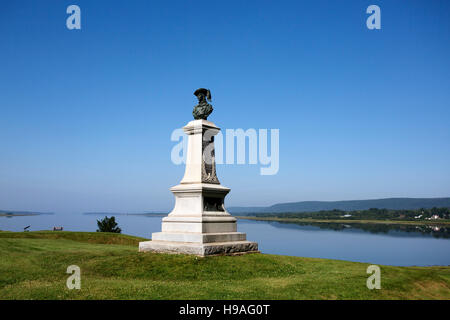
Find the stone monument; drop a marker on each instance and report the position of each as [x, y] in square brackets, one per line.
[199, 224]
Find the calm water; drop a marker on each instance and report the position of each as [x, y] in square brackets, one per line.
[420, 246]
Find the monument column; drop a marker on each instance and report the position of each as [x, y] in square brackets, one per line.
[199, 223]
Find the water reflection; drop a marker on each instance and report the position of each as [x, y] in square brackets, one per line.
[399, 230]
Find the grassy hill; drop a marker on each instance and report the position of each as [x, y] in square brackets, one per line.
[33, 266]
[348, 205]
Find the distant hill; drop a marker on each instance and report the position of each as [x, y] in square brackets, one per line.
[125, 214]
[22, 213]
[347, 205]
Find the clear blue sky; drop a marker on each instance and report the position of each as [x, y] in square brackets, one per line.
[86, 115]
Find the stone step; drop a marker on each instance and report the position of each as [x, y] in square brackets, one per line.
[200, 249]
[193, 237]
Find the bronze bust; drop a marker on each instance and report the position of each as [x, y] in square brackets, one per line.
[203, 109]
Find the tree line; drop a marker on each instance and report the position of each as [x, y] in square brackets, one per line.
[370, 214]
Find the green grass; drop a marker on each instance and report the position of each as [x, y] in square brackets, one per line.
[33, 266]
[89, 237]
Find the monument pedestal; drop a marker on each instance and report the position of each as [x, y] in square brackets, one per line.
[199, 223]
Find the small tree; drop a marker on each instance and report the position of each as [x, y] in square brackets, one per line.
[108, 225]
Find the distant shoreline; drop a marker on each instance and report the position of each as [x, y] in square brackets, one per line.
[346, 205]
[125, 214]
[347, 221]
[22, 214]
[18, 214]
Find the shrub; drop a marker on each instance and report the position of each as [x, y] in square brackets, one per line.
[108, 225]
